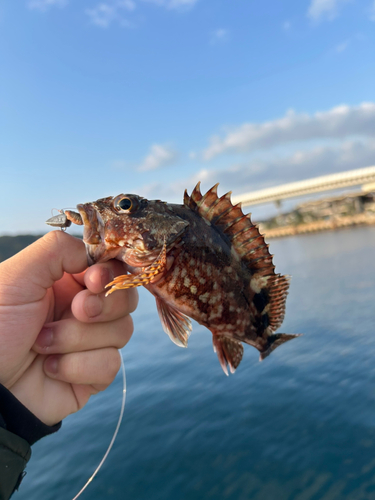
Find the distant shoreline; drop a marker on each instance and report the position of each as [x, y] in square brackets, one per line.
[317, 226]
[10, 245]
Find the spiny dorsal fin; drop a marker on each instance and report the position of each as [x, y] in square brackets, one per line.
[193, 200]
[244, 236]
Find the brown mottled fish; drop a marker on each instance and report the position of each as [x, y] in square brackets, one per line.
[204, 259]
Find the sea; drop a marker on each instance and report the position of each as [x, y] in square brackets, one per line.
[298, 426]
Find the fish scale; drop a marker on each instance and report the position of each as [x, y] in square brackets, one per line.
[203, 260]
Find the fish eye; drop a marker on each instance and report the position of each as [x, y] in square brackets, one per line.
[125, 204]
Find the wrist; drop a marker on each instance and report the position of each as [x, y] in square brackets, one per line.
[16, 418]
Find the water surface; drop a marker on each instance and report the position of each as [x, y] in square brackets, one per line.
[299, 426]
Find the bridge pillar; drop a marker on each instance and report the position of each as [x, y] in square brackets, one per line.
[278, 206]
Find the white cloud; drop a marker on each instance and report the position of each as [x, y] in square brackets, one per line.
[287, 25]
[44, 5]
[328, 9]
[176, 4]
[339, 122]
[259, 174]
[300, 165]
[159, 156]
[219, 35]
[173, 4]
[107, 12]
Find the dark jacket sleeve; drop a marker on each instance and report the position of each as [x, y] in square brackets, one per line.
[14, 455]
[19, 429]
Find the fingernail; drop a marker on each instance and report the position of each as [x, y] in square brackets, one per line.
[107, 275]
[45, 337]
[93, 306]
[50, 364]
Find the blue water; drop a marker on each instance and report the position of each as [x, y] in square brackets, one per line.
[299, 426]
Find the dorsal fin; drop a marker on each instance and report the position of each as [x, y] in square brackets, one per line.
[248, 243]
[237, 227]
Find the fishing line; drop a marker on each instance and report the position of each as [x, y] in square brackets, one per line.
[61, 210]
[116, 430]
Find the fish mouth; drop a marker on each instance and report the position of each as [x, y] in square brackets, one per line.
[92, 223]
[93, 234]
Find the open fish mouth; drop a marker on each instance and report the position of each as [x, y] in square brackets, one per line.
[93, 231]
[100, 246]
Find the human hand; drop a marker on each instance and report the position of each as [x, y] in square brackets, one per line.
[58, 334]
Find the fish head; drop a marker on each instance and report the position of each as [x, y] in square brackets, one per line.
[129, 228]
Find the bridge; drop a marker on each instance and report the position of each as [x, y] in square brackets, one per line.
[364, 177]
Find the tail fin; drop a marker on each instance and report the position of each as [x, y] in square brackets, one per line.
[274, 341]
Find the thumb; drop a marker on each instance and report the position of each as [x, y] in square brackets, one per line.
[32, 271]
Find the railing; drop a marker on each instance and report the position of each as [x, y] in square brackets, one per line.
[356, 177]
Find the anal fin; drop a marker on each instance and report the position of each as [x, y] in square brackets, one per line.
[228, 351]
[175, 324]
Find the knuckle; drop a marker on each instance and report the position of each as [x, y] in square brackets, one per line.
[50, 244]
[65, 367]
[52, 241]
[73, 367]
[76, 339]
[133, 299]
[53, 236]
[126, 328]
[69, 337]
[129, 300]
[129, 325]
[114, 364]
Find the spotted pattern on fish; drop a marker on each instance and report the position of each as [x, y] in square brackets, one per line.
[204, 260]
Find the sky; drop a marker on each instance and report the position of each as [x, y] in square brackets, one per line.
[99, 98]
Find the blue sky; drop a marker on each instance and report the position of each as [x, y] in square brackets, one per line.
[150, 96]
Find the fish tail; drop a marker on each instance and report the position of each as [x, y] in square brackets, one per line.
[274, 341]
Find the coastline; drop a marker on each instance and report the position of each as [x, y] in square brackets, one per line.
[320, 225]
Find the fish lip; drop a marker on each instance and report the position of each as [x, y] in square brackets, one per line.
[93, 232]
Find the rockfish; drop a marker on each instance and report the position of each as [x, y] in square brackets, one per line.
[204, 260]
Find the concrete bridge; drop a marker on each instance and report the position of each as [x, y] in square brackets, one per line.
[364, 177]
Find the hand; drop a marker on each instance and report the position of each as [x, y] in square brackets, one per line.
[59, 336]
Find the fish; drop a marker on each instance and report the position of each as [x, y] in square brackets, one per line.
[203, 260]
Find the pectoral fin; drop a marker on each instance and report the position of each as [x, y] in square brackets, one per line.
[143, 278]
[175, 324]
[228, 351]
